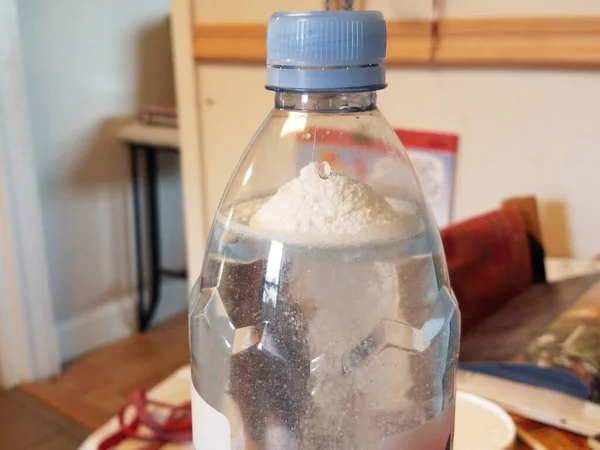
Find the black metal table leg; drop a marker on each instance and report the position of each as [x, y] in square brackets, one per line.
[147, 309]
[137, 224]
[154, 238]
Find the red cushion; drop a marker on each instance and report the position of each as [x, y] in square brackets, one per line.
[489, 262]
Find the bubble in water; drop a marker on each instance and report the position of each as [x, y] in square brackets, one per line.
[324, 170]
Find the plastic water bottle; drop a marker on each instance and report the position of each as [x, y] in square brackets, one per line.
[324, 318]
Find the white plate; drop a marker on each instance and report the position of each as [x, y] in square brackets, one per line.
[481, 424]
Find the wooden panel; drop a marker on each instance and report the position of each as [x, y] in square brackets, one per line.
[560, 42]
[571, 43]
[231, 43]
[409, 43]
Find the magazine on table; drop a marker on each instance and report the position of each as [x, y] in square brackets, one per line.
[555, 379]
[572, 342]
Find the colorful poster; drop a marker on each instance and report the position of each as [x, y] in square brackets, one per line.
[572, 342]
[433, 156]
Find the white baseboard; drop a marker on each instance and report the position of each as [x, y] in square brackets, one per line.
[102, 325]
[115, 320]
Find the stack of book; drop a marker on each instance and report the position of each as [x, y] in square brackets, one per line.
[162, 116]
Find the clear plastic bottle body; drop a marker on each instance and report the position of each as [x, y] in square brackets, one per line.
[329, 345]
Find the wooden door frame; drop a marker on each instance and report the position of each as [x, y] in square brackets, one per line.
[186, 81]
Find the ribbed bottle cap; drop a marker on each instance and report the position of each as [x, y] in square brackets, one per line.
[326, 50]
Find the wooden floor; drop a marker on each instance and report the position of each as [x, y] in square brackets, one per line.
[29, 424]
[93, 388]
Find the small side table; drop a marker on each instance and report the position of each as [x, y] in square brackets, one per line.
[147, 141]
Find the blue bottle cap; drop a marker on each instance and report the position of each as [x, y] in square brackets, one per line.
[326, 51]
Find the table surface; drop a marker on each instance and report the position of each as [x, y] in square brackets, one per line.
[504, 334]
[139, 133]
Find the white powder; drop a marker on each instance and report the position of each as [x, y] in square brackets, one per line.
[342, 302]
[338, 205]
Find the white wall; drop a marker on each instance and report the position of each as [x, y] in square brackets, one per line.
[87, 64]
[521, 132]
[28, 339]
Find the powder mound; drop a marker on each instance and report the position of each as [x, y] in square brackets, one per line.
[338, 205]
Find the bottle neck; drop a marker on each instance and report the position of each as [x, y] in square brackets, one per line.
[334, 102]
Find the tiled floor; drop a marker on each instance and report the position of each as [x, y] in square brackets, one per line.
[27, 424]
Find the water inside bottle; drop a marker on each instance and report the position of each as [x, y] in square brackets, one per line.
[322, 347]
